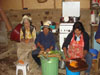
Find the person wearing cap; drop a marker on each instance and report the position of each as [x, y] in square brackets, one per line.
[27, 38]
[44, 41]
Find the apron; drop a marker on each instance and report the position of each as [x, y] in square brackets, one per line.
[75, 49]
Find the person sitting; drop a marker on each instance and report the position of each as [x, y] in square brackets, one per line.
[44, 41]
[27, 38]
[97, 36]
[76, 45]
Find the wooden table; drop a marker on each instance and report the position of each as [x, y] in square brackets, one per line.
[82, 65]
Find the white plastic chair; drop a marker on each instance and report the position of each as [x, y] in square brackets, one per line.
[22, 67]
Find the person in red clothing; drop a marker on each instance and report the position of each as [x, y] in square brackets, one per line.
[76, 45]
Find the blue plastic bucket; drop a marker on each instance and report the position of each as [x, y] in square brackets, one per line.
[68, 72]
[94, 52]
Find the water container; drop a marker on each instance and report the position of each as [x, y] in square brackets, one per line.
[68, 72]
[49, 66]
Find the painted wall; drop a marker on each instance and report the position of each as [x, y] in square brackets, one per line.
[38, 15]
[11, 4]
[33, 4]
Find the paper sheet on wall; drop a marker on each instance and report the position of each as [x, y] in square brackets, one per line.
[71, 8]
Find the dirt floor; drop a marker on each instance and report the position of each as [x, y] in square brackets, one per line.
[8, 58]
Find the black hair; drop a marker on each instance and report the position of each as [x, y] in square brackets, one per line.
[48, 28]
[31, 27]
[78, 25]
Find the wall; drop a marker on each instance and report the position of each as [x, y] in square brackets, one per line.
[51, 10]
[38, 15]
[50, 4]
[33, 4]
[11, 4]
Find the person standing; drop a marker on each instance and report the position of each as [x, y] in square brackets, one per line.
[76, 45]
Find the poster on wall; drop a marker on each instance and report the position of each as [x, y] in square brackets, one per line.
[71, 8]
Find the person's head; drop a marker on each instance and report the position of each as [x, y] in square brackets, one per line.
[46, 27]
[26, 21]
[78, 28]
[46, 30]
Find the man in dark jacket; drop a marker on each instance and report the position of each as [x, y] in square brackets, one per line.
[44, 41]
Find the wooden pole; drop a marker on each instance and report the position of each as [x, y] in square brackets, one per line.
[54, 4]
[22, 4]
[4, 17]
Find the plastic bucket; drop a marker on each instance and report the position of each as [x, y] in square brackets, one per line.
[68, 72]
[49, 67]
[94, 52]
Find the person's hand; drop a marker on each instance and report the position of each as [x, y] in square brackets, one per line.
[98, 41]
[67, 59]
[42, 48]
[83, 59]
[41, 52]
[22, 40]
[47, 50]
[84, 53]
[31, 40]
[26, 40]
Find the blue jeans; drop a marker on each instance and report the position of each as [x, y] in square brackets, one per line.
[35, 56]
[35, 52]
[88, 58]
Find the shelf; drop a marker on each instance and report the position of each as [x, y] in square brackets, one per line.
[94, 24]
[94, 28]
[95, 8]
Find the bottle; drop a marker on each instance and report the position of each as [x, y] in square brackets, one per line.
[94, 1]
[99, 3]
[92, 17]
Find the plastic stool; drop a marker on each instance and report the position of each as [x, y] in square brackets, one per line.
[22, 67]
